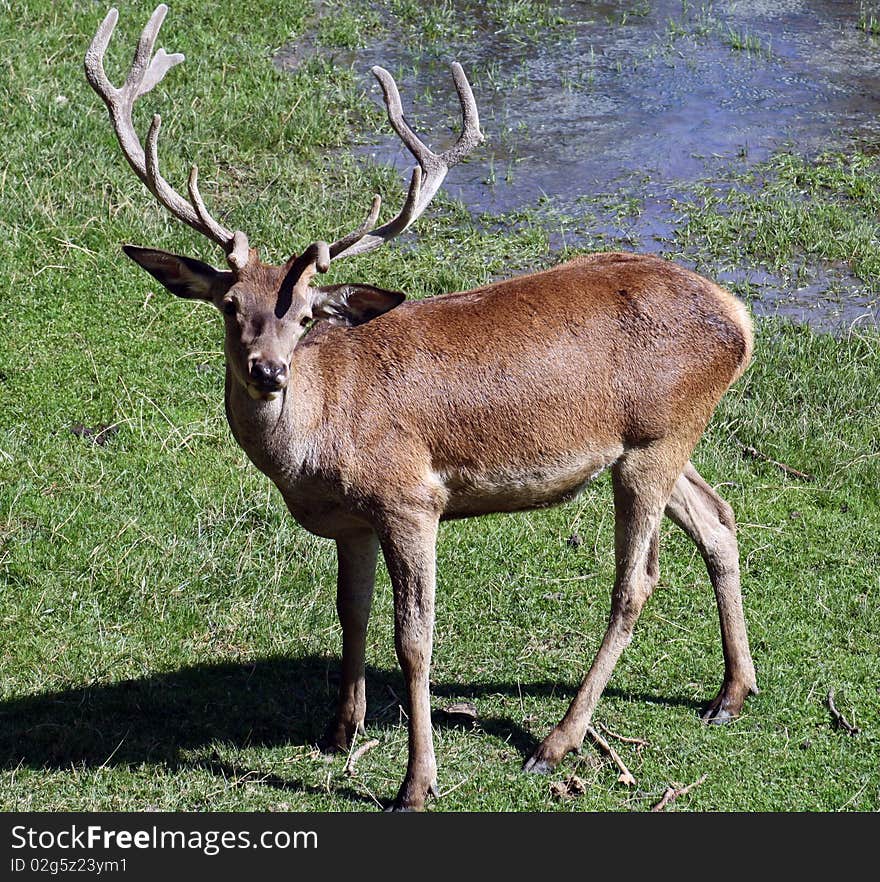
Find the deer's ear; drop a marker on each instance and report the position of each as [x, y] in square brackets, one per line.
[352, 304]
[182, 276]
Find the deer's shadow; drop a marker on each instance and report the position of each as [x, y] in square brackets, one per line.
[269, 702]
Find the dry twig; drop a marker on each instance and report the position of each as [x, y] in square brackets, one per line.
[756, 454]
[357, 754]
[639, 742]
[625, 777]
[672, 793]
[839, 719]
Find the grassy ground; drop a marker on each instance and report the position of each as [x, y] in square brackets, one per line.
[169, 634]
[818, 208]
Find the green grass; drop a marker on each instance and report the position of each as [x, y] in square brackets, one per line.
[342, 27]
[701, 23]
[428, 29]
[743, 41]
[169, 633]
[793, 207]
[869, 18]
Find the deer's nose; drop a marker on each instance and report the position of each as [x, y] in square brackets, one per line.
[269, 374]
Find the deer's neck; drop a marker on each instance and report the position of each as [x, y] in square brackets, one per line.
[274, 434]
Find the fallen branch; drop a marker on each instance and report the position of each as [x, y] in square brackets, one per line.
[672, 793]
[625, 777]
[756, 454]
[839, 718]
[356, 755]
[640, 742]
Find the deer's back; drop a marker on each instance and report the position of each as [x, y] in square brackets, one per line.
[536, 382]
[582, 342]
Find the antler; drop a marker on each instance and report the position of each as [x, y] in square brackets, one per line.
[147, 70]
[426, 178]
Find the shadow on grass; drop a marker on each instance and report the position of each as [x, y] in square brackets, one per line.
[270, 702]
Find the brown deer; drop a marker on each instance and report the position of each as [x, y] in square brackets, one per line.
[385, 418]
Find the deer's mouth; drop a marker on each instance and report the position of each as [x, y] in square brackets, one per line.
[261, 392]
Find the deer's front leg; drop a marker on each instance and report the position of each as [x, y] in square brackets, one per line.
[354, 594]
[410, 553]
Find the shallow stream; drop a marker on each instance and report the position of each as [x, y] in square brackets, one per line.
[640, 101]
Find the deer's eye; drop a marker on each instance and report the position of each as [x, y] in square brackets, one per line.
[229, 307]
[305, 320]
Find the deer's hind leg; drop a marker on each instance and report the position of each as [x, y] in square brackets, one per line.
[709, 521]
[642, 480]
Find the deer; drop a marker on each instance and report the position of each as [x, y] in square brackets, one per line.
[377, 417]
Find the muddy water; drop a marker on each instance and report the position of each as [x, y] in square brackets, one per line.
[635, 99]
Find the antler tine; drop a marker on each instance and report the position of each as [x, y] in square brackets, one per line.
[195, 214]
[354, 236]
[423, 154]
[147, 71]
[238, 250]
[143, 55]
[471, 136]
[430, 172]
[94, 62]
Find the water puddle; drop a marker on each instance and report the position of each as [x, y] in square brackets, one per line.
[636, 102]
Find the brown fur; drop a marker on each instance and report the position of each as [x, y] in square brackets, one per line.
[390, 418]
[508, 397]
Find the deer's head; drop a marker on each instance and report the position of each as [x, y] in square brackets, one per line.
[266, 308]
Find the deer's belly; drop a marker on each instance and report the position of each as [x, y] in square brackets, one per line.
[522, 488]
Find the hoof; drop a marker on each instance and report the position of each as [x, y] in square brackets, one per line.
[550, 752]
[719, 717]
[331, 744]
[537, 766]
[338, 737]
[394, 807]
[412, 799]
[727, 705]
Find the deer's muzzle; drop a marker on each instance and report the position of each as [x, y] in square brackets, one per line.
[267, 378]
